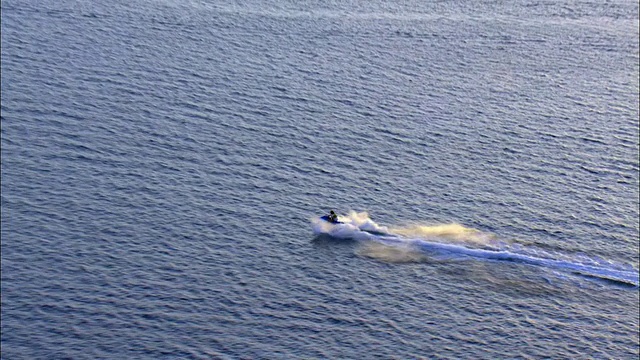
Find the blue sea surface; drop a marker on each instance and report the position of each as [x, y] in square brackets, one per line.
[165, 164]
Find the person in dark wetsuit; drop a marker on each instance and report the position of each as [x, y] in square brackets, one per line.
[332, 217]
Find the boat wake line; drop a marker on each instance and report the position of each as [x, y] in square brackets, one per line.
[454, 241]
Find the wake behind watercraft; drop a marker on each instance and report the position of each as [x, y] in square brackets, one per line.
[457, 242]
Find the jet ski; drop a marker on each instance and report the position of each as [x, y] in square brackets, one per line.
[326, 218]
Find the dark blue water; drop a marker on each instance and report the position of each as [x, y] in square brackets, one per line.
[164, 164]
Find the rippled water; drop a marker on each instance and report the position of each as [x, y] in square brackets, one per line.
[164, 165]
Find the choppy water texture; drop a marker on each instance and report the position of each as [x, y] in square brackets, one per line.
[164, 164]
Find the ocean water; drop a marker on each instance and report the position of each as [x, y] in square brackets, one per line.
[165, 164]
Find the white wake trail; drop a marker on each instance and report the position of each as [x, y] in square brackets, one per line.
[417, 242]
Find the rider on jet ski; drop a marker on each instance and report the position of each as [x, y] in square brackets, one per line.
[332, 217]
